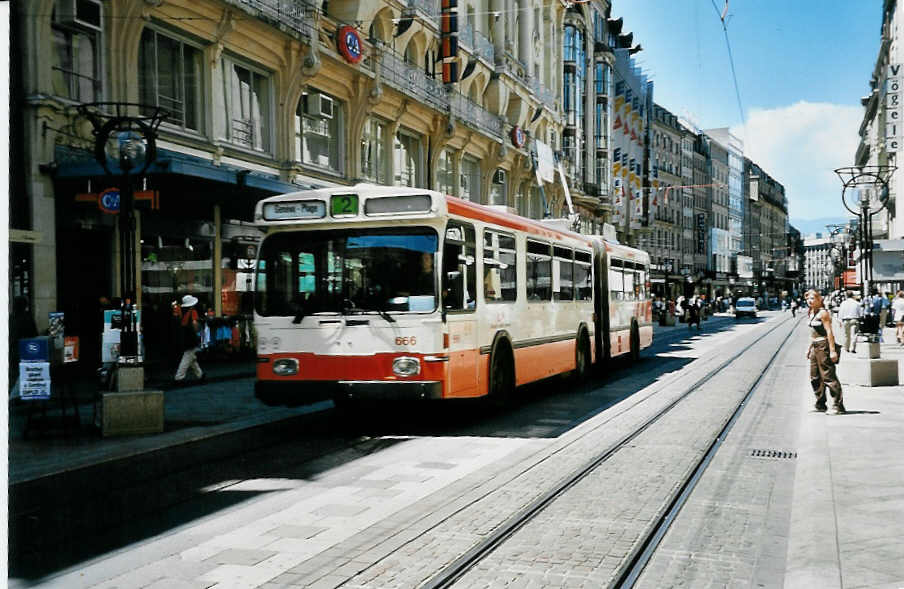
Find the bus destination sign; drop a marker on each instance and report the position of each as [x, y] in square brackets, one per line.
[297, 209]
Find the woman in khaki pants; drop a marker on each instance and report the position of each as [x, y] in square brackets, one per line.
[823, 356]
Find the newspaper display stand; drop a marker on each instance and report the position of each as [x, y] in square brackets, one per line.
[45, 380]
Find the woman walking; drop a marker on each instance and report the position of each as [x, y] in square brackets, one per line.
[823, 355]
[897, 307]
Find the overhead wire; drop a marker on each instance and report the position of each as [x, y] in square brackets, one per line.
[734, 75]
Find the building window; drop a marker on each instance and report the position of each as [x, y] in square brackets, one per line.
[75, 61]
[407, 157]
[170, 77]
[246, 95]
[498, 188]
[318, 132]
[470, 179]
[445, 173]
[373, 151]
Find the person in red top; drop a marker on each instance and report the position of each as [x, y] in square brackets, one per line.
[190, 326]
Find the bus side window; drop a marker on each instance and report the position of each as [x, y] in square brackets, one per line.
[583, 276]
[640, 286]
[615, 280]
[629, 276]
[459, 268]
[563, 274]
[500, 273]
[539, 271]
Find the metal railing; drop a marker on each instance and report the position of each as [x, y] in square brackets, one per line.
[545, 95]
[298, 15]
[477, 43]
[412, 80]
[474, 115]
[429, 7]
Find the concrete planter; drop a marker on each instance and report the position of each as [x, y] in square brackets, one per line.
[131, 413]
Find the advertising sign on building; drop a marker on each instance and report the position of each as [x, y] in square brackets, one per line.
[701, 233]
[893, 103]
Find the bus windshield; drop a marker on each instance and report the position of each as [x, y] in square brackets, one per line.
[347, 271]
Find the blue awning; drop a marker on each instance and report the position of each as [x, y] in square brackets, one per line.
[77, 163]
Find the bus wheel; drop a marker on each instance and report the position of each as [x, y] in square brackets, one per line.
[502, 378]
[582, 358]
[635, 343]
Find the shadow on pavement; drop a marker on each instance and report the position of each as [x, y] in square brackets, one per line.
[57, 522]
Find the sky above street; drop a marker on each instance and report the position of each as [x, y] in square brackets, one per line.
[802, 67]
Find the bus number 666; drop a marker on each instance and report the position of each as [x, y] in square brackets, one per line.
[406, 341]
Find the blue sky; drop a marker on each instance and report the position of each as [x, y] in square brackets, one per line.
[802, 66]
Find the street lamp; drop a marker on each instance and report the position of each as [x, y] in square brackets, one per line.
[865, 194]
[125, 144]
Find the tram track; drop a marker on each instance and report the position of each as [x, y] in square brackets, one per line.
[634, 564]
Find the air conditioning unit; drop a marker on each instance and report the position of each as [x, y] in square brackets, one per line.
[499, 177]
[318, 105]
[82, 13]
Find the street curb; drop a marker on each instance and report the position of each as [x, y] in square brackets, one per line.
[813, 553]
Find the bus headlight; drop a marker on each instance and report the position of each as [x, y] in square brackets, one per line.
[285, 366]
[406, 366]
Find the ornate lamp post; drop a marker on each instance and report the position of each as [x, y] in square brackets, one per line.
[125, 144]
[865, 194]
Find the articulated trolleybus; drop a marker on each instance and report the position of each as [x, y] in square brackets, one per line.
[376, 292]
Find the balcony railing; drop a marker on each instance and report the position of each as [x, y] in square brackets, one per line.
[545, 95]
[430, 7]
[298, 15]
[412, 80]
[477, 43]
[474, 115]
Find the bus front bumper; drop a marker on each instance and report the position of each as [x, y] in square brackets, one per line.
[301, 392]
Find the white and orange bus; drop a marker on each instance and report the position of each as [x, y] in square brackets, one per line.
[376, 292]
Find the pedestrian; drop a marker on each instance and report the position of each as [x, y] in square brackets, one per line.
[872, 306]
[849, 314]
[190, 326]
[823, 355]
[897, 307]
[794, 307]
[884, 305]
[694, 310]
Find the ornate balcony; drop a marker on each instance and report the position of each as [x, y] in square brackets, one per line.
[412, 80]
[297, 15]
[476, 43]
[544, 94]
[475, 116]
[429, 7]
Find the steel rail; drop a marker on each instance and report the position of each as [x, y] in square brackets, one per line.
[635, 566]
[455, 570]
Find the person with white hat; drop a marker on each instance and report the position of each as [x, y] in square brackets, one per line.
[190, 326]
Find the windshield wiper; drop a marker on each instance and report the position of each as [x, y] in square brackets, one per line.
[301, 315]
[385, 315]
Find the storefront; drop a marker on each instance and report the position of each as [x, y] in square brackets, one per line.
[194, 223]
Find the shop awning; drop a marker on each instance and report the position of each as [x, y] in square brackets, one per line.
[73, 163]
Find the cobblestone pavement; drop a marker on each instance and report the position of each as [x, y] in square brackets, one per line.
[585, 536]
[733, 530]
[396, 517]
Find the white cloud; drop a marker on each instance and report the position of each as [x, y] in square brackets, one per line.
[800, 146]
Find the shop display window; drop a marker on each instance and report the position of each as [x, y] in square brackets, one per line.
[239, 248]
[176, 259]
